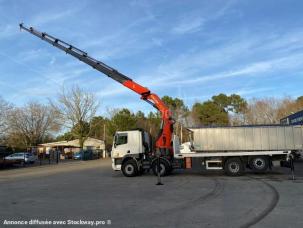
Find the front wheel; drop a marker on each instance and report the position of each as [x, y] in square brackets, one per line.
[130, 168]
[234, 167]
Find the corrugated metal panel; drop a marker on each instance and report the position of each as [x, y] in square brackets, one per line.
[298, 137]
[249, 138]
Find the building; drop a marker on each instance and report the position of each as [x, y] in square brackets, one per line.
[68, 148]
[293, 119]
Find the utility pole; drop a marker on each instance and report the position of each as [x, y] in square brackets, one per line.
[104, 130]
[181, 133]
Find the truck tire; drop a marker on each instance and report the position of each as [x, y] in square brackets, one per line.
[233, 167]
[164, 169]
[259, 164]
[129, 168]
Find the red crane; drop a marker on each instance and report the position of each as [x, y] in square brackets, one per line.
[163, 142]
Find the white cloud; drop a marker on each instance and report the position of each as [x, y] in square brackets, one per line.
[51, 16]
[234, 53]
[166, 80]
[194, 21]
[251, 90]
[113, 90]
[253, 70]
[124, 41]
[189, 25]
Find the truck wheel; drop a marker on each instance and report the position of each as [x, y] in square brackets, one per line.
[259, 164]
[129, 168]
[163, 168]
[233, 167]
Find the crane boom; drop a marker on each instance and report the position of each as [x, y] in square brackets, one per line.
[164, 139]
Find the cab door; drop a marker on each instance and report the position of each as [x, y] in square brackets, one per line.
[120, 145]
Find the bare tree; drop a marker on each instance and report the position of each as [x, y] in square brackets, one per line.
[262, 111]
[31, 124]
[270, 110]
[76, 108]
[289, 106]
[4, 108]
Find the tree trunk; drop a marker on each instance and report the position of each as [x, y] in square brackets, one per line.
[81, 141]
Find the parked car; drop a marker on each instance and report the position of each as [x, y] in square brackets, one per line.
[21, 157]
[78, 155]
[86, 155]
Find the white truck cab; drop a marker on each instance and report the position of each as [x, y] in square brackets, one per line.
[129, 144]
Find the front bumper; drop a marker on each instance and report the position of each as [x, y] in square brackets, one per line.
[116, 164]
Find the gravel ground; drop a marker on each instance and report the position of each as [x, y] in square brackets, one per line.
[91, 191]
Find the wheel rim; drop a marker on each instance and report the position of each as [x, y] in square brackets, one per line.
[129, 169]
[234, 167]
[259, 163]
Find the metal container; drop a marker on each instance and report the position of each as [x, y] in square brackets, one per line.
[248, 138]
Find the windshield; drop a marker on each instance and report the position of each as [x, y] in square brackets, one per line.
[121, 138]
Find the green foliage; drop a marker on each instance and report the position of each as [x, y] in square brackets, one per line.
[153, 123]
[123, 120]
[233, 103]
[141, 121]
[140, 115]
[215, 111]
[300, 100]
[81, 129]
[65, 137]
[209, 113]
[174, 103]
[97, 125]
[179, 112]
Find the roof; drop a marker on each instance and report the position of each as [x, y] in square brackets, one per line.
[75, 143]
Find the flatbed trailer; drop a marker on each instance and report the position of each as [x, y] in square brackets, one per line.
[235, 162]
[233, 149]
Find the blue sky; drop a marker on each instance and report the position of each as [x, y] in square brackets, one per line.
[187, 49]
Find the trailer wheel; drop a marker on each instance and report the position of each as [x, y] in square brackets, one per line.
[259, 164]
[129, 168]
[164, 169]
[233, 167]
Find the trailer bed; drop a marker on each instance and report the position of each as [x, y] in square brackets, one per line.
[247, 138]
